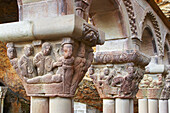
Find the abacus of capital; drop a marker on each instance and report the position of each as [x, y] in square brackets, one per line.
[51, 49]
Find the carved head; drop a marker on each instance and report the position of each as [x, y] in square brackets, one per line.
[67, 50]
[28, 50]
[106, 71]
[46, 48]
[11, 53]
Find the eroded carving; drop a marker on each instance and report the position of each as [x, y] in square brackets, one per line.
[166, 90]
[26, 63]
[90, 35]
[60, 67]
[117, 81]
[12, 55]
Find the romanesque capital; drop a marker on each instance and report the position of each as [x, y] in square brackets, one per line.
[153, 82]
[117, 74]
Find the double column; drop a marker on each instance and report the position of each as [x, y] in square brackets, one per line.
[150, 89]
[116, 75]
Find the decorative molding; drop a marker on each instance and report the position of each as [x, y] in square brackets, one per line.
[152, 18]
[132, 18]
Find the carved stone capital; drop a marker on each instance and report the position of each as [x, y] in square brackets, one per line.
[117, 74]
[54, 68]
[153, 82]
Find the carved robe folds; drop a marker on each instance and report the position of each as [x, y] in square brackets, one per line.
[117, 74]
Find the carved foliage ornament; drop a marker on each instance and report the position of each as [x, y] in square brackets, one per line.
[51, 69]
[116, 81]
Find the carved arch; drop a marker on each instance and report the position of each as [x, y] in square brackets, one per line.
[156, 30]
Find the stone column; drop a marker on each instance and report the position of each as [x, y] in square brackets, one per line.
[153, 106]
[143, 105]
[51, 50]
[116, 75]
[122, 106]
[163, 106]
[108, 106]
[150, 88]
[3, 91]
[61, 105]
[39, 105]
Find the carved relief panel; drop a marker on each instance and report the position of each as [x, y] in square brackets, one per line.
[52, 68]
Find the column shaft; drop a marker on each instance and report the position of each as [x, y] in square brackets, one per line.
[108, 106]
[152, 106]
[39, 105]
[163, 106]
[131, 105]
[122, 106]
[60, 105]
[143, 105]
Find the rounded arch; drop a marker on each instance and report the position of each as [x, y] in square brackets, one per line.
[148, 45]
[151, 21]
[111, 17]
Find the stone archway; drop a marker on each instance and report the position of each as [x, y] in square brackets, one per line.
[151, 21]
[148, 43]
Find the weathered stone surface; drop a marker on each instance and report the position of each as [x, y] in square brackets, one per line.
[117, 74]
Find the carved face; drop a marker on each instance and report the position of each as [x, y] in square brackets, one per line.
[106, 71]
[11, 53]
[68, 50]
[28, 50]
[46, 49]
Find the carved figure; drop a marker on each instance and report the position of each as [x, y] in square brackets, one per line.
[67, 62]
[12, 55]
[43, 60]
[26, 63]
[79, 65]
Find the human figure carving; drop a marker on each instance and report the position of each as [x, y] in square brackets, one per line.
[12, 55]
[26, 63]
[44, 64]
[43, 60]
[67, 61]
[79, 65]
